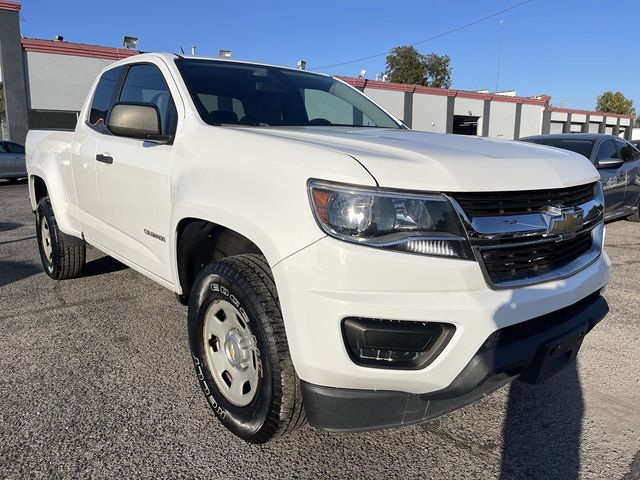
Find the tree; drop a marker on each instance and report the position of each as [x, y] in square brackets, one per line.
[438, 71]
[406, 65]
[611, 102]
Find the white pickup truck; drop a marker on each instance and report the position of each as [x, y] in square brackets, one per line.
[338, 267]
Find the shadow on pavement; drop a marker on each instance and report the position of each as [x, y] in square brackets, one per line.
[102, 266]
[6, 226]
[542, 428]
[11, 271]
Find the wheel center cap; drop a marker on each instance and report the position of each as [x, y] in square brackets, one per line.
[237, 349]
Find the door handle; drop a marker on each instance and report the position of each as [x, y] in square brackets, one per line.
[104, 158]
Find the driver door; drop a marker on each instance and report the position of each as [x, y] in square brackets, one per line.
[134, 178]
[614, 180]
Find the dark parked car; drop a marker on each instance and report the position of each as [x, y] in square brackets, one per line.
[618, 162]
[635, 143]
[12, 164]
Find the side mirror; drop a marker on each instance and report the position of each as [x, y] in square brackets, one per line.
[136, 120]
[609, 163]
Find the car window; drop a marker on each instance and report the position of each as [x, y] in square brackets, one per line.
[627, 152]
[325, 108]
[607, 149]
[222, 109]
[583, 147]
[275, 96]
[146, 84]
[103, 98]
[3, 148]
[14, 148]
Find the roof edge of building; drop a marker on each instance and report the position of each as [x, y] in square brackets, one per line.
[11, 6]
[75, 49]
[403, 87]
[590, 112]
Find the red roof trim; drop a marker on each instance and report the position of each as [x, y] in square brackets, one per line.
[11, 6]
[75, 49]
[401, 87]
[590, 112]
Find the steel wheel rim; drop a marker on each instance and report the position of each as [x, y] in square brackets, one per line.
[45, 237]
[231, 352]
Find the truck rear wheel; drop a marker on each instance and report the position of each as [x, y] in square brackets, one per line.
[240, 349]
[63, 256]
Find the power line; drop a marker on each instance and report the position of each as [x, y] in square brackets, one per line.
[440, 35]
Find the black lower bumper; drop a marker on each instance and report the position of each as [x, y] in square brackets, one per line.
[531, 351]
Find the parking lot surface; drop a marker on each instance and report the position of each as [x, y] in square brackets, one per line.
[96, 381]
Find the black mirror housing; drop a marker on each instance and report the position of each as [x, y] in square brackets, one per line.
[134, 120]
[609, 163]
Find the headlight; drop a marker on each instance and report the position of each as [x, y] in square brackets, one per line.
[415, 223]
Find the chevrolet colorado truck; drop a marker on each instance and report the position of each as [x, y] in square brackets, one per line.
[338, 267]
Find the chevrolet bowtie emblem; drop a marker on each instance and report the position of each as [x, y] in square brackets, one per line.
[564, 221]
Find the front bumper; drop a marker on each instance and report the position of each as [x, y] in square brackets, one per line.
[324, 283]
[531, 351]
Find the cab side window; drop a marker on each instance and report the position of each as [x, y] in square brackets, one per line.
[145, 84]
[627, 152]
[607, 149]
[103, 98]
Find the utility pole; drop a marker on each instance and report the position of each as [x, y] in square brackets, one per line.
[499, 54]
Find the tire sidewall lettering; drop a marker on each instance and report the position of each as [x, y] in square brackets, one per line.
[217, 409]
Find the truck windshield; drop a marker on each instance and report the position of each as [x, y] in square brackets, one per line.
[242, 94]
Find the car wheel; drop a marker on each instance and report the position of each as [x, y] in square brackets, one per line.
[63, 256]
[635, 216]
[240, 349]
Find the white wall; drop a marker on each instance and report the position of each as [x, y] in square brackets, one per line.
[502, 120]
[391, 100]
[59, 82]
[429, 113]
[468, 106]
[531, 120]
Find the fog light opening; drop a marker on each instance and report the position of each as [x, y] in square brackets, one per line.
[381, 343]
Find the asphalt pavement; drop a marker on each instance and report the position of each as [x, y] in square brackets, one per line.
[96, 381]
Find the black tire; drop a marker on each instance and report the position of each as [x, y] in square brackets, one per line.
[635, 216]
[68, 253]
[276, 409]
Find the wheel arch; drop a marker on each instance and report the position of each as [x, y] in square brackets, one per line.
[37, 190]
[199, 242]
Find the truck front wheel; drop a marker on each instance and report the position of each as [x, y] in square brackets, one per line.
[240, 349]
[63, 256]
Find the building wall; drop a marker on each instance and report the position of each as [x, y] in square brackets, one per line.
[391, 100]
[430, 113]
[468, 106]
[13, 115]
[50, 84]
[502, 120]
[531, 120]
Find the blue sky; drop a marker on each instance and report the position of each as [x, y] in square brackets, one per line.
[569, 49]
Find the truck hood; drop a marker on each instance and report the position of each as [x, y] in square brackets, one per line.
[415, 160]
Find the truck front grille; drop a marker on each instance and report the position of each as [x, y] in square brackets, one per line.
[486, 204]
[526, 261]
